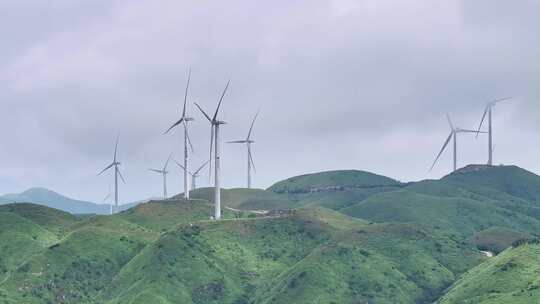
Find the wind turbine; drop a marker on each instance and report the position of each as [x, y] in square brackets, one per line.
[163, 172]
[194, 175]
[214, 141]
[184, 119]
[107, 198]
[248, 141]
[453, 135]
[117, 173]
[487, 111]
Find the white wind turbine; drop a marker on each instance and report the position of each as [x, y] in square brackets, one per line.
[248, 141]
[194, 175]
[164, 173]
[187, 141]
[117, 173]
[487, 111]
[214, 141]
[453, 134]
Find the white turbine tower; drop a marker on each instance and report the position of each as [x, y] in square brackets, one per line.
[248, 141]
[117, 174]
[453, 134]
[214, 141]
[164, 173]
[187, 141]
[194, 175]
[488, 112]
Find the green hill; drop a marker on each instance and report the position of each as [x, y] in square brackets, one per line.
[511, 277]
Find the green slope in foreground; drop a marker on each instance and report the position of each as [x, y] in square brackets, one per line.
[310, 255]
[511, 277]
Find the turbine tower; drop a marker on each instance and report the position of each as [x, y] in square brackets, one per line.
[248, 141]
[214, 141]
[184, 119]
[117, 173]
[163, 172]
[194, 175]
[488, 112]
[453, 135]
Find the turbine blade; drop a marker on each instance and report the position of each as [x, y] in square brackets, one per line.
[106, 197]
[500, 100]
[167, 162]
[221, 100]
[116, 147]
[252, 123]
[180, 165]
[482, 121]
[237, 142]
[442, 150]
[185, 95]
[107, 168]
[188, 138]
[201, 167]
[450, 122]
[120, 174]
[470, 131]
[204, 113]
[252, 162]
[156, 170]
[174, 125]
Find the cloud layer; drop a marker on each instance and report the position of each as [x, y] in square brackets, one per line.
[341, 84]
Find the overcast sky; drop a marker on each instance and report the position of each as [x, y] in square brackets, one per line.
[341, 84]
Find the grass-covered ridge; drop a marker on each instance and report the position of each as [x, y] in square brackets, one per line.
[332, 180]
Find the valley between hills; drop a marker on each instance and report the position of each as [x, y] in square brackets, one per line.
[331, 237]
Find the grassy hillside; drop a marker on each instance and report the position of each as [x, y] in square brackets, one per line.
[458, 215]
[315, 255]
[511, 277]
[134, 257]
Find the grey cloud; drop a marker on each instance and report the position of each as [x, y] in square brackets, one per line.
[341, 84]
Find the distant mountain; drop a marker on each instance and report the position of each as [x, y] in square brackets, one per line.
[45, 197]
